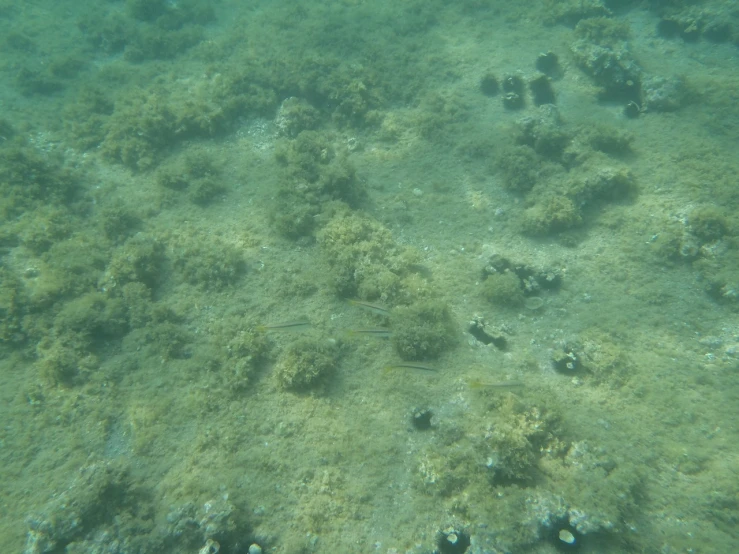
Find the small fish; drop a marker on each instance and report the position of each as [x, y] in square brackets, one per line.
[371, 307]
[478, 384]
[379, 332]
[298, 325]
[410, 365]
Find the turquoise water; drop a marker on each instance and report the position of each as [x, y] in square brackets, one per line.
[397, 277]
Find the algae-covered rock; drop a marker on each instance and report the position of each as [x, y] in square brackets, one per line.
[146, 10]
[13, 307]
[719, 273]
[708, 223]
[31, 81]
[602, 51]
[118, 222]
[140, 131]
[64, 363]
[550, 215]
[85, 116]
[447, 471]
[603, 184]
[89, 502]
[295, 214]
[607, 139]
[296, 115]
[137, 299]
[72, 267]
[138, 259]
[169, 339]
[715, 21]
[521, 168]
[196, 173]
[39, 229]
[245, 349]
[544, 131]
[306, 363]
[162, 29]
[66, 354]
[7, 130]
[205, 190]
[364, 259]
[663, 94]
[515, 439]
[144, 127]
[210, 263]
[569, 12]
[603, 359]
[94, 316]
[423, 331]
[204, 528]
[440, 112]
[304, 156]
[29, 178]
[504, 289]
[532, 280]
[316, 175]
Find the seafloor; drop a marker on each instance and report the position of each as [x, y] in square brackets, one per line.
[351, 276]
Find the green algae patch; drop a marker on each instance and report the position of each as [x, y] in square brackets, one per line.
[196, 173]
[364, 260]
[706, 239]
[209, 263]
[504, 289]
[516, 439]
[245, 350]
[511, 440]
[317, 173]
[60, 364]
[68, 352]
[719, 273]
[137, 298]
[13, 307]
[39, 229]
[553, 215]
[423, 331]
[140, 258]
[146, 30]
[295, 116]
[29, 179]
[606, 139]
[86, 116]
[76, 263]
[564, 173]
[604, 360]
[602, 50]
[93, 317]
[117, 222]
[170, 340]
[522, 168]
[145, 127]
[569, 12]
[709, 223]
[306, 363]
